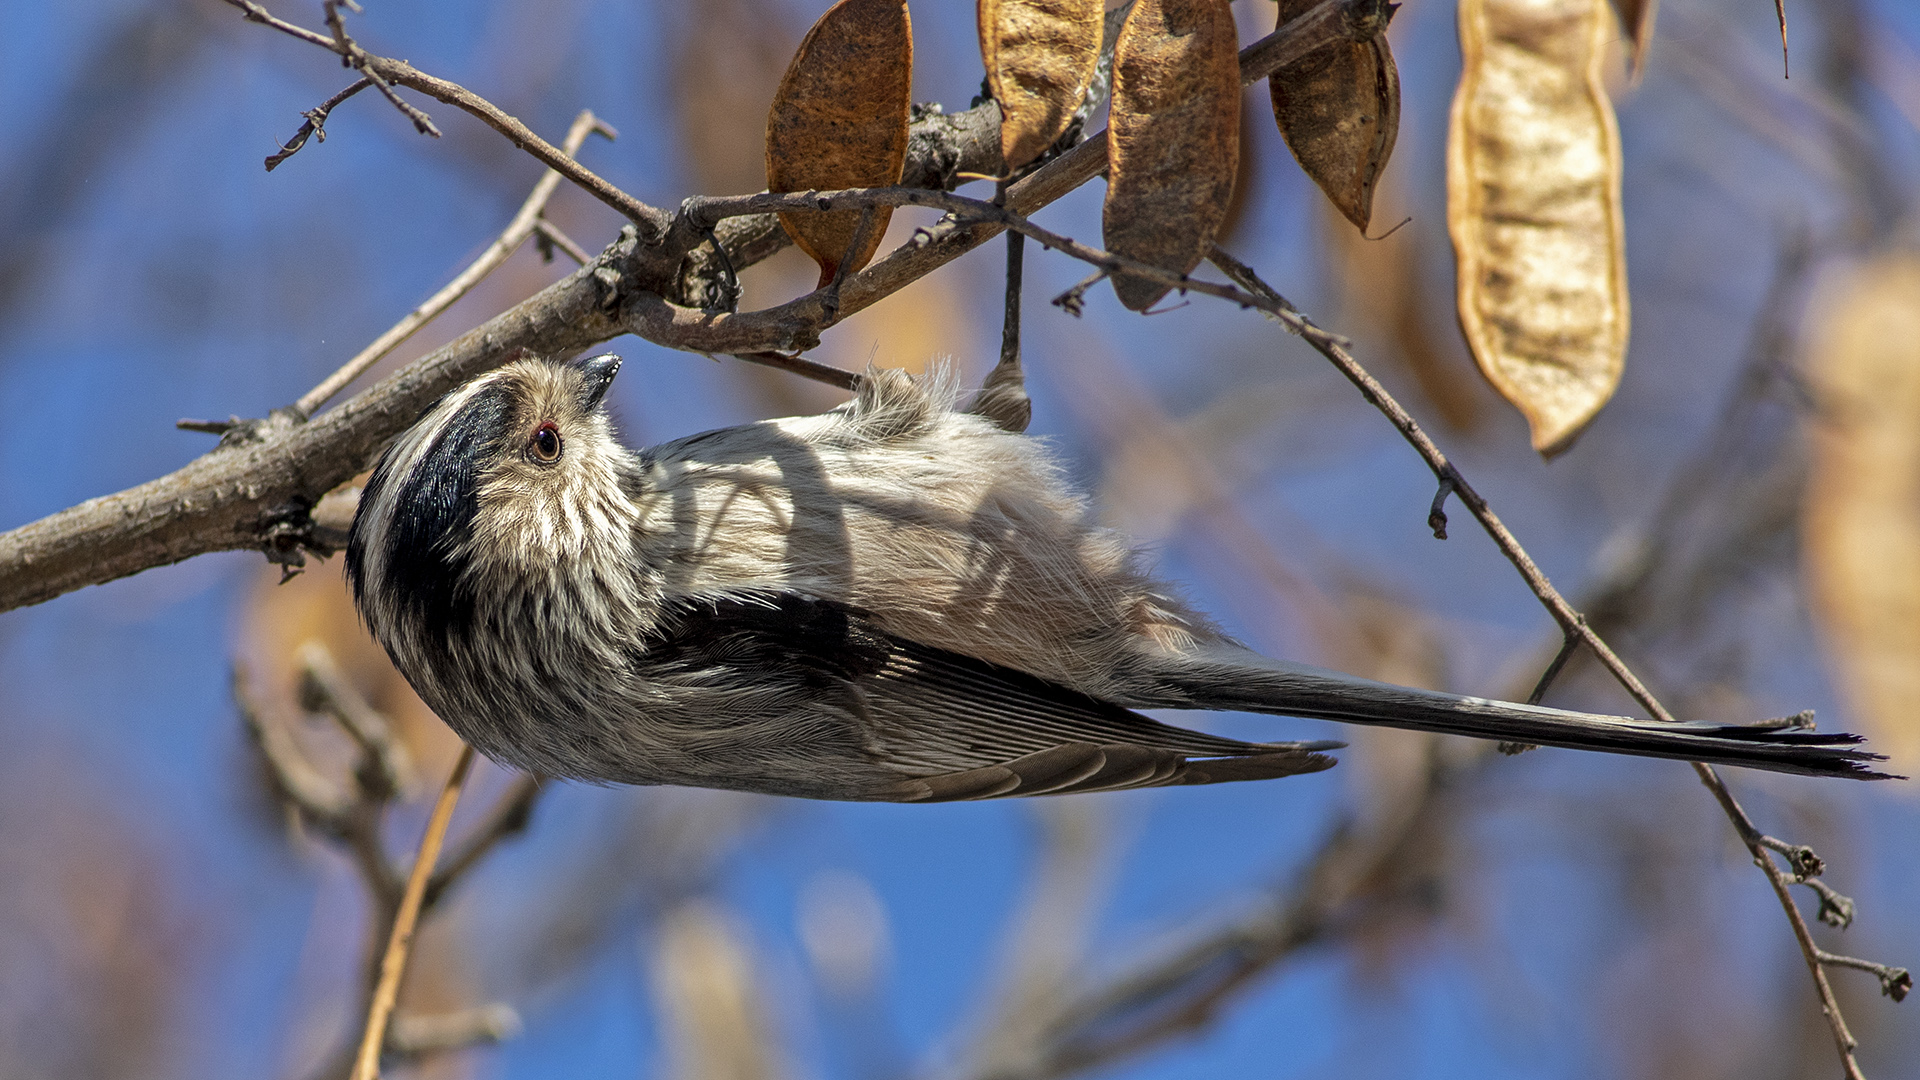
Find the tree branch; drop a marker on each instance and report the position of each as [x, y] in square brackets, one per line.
[386, 73]
[526, 222]
[255, 491]
[400, 943]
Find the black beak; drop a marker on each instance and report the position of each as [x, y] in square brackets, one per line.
[596, 374]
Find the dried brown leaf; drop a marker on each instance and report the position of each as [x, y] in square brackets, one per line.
[1533, 203]
[1339, 110]
[839, 120]
[1173, 138]
[1862, 513]
[1040, 57]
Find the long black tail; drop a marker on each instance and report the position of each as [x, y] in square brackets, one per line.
[1225, 678]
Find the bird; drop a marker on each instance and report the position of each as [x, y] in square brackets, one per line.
[900, 599]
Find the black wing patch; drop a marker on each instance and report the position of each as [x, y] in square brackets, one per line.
[952, 726]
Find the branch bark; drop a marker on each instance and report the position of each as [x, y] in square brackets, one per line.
[255, 490]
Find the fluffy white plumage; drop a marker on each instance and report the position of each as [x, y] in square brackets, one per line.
[895, 599]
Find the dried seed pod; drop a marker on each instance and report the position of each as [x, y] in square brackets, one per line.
[1173, 139]
[839, 120]
[1533, 203]
[1339, 110]
[1862, 512]
[1040, 57]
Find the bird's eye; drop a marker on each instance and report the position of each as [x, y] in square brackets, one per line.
[545, 446]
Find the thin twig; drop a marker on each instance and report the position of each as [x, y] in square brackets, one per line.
[387, 73]
[1568, 643]
[526, 221]
[1805, 863]
[1334, 348]
[1574, 625]
[803, 367]
[508, 816]
[1895, 982]
[254, 493]
[551, 237]
[1835, 910]
[315, 124]
[1437, 510]
[400, 941]
[1843, 1039]
[1780, 11]
[1010, 321]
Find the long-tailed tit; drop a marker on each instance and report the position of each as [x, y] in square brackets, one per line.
[893, 600]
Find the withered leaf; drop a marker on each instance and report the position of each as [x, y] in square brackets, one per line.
[839, 120]
[1040, 56]
[1339, 110]
[1533, 203]
[1862, 512]
[1173, 138]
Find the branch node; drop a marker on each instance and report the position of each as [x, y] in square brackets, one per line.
[1801, 858]
[1074, 300]
[1835, 910]
[1895, 982]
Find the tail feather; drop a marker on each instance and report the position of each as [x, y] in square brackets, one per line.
[1248, 682]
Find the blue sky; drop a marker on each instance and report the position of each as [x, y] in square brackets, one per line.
[1589, 917]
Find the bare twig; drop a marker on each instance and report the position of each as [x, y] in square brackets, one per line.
[1356, 877]
[1334, 348]
[551, 237]
[526, 222]
[400, 941]
[1568, 644]
[1843, 1039]
[1835, 910]
[1010, 321]
[1895, 982]
[1780, 12]
[353, 814]
[255, 491]
[803, 367]
[1574, 626]
[315, 124]
[387, 73]
[508, 816]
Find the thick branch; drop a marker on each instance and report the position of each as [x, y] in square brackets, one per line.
[254, 492]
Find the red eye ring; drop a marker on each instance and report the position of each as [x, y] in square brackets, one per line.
[545, 444]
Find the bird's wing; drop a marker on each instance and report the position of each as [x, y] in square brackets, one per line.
[950, 726]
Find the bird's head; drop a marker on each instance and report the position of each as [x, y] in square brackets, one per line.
[510, 481]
